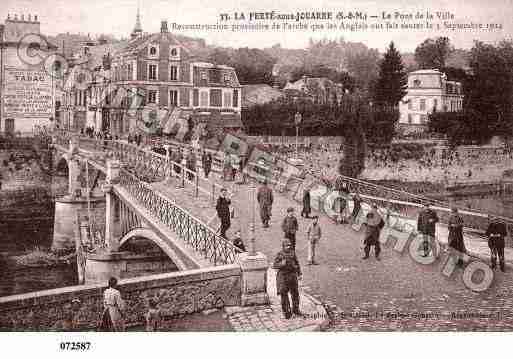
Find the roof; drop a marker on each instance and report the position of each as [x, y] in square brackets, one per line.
[259, 94]
[426, 72]
[309, 82]
[138, 43]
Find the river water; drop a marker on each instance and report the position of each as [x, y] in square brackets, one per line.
[21, 237]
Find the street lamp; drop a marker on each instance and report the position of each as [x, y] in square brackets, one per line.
[252, 247]
[297, 121]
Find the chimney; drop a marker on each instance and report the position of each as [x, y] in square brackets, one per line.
[163, 26]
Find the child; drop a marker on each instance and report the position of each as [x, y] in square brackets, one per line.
[153, 317]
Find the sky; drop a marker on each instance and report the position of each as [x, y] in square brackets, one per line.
[117, 17]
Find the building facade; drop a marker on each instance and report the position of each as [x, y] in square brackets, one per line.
[428, 91]
[27, 88]
[150, 72]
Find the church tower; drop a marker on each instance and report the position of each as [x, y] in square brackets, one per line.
[137, 32]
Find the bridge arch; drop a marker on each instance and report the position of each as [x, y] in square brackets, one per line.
[149, 234]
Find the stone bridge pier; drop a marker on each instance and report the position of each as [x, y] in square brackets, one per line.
[69, 207]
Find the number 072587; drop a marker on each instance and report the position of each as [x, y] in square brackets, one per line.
[80, 346]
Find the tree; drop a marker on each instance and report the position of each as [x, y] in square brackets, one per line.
[433, 54]
[253, 66]
[392, 81]
[490, 88]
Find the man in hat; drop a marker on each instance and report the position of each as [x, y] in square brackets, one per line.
[496, 232]
[223, 211]
[290, 227]
[313, 235]
[373, 225]
[426, 226]
[265, 201]
[287, 277]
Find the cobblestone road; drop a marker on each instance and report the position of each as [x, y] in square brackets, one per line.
[395, 293]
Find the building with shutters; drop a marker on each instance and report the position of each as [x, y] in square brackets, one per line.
[428, 91]
[154, 72]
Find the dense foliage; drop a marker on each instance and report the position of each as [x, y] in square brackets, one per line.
[433, 53]
[391, 84]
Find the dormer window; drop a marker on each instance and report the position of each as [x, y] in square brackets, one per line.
[153, 51]
[174, 52]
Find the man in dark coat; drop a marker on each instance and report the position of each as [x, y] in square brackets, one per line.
[455, 240]
[190, 163]
[223, 211]
[373, 225]
[357, 206]
[306, 204]
[290, 227]
[289, 273]
[206, 162]
[265, 200]
[426, 226]
[496, 232]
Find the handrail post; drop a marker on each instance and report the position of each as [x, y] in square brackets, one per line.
[197, 184]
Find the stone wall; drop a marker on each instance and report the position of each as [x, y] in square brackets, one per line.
[176, 293]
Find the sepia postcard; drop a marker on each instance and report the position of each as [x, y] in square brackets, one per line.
[255, 166]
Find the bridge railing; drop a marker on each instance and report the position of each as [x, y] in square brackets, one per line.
[157, 166]
[191, 230]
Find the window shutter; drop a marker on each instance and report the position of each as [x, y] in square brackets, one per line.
[163, 94]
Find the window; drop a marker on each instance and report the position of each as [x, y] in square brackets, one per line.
[204, 99]
[152, 72]
[416, 83]
[152, 96]
[227, 99]
[435, 104]
[173, 74]
[422, 104]
[204, 76]
[226, 78]
[153, 51]
[410, 118]
[215, 98]
[235, 98]
[174, 52]
[173, 98]
[410, 105]
[423, 119]
[195, 97]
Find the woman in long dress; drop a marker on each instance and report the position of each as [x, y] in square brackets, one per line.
[113, 309]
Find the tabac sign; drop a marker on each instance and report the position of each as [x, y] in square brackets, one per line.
[27, 93]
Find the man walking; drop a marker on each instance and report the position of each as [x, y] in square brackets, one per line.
[313, 236]
[206, 161]
[426, 226]
[265, 200]
[223, 211]
[373, 225]
[289, 273]
[290, 227]
[496, 232]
